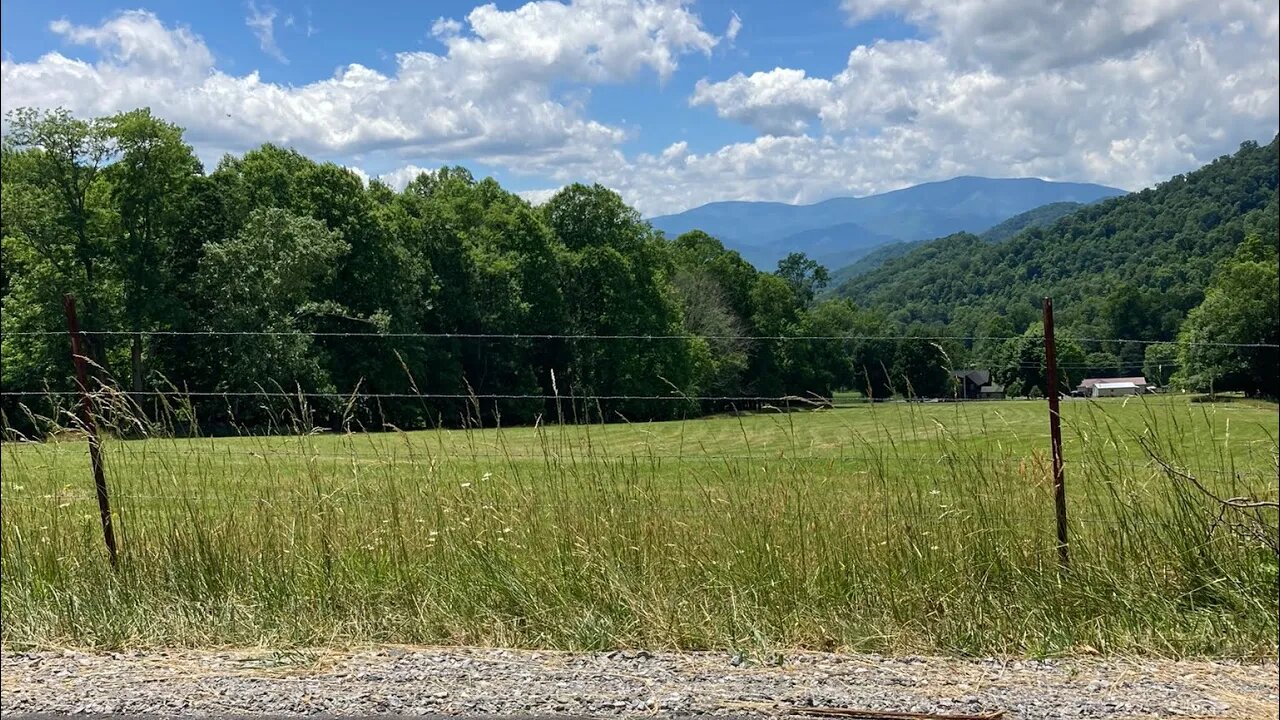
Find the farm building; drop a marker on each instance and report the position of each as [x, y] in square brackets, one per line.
[1116, 389]
[976, 385]
[1085, 389]
[969, 383]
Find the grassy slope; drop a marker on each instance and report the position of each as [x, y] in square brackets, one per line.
[889, 527]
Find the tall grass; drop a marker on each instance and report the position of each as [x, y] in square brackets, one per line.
[893, 528]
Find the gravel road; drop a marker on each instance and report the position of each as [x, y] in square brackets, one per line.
[418, 681]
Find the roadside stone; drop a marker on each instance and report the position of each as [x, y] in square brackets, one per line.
[472, 681]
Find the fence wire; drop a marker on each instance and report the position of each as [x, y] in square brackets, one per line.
[611, 513]
[585, 336]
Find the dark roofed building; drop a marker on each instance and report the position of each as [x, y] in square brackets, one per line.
[969, 383]
[991, 392]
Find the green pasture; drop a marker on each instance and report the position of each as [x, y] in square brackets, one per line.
[922, 527]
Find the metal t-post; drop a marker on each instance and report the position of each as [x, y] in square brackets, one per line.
[90, 426]
[1055, 433]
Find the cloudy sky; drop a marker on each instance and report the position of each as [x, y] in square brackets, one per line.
[673, 103]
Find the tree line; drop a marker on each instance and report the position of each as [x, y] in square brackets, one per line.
[328, 278]
[276, 273]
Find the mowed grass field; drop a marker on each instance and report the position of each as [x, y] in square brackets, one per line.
[894, 527]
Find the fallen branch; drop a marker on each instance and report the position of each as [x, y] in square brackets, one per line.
[1235, 502]
[1251, 526]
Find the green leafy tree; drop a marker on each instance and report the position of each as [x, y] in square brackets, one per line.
[378, 288]
[1160, 361]
[922, 368]
[697, 251]
[1220, 345]
[266, 177]
[720, 352]
[60, 224]
[775, 316]
[715, 288]
[872, 354]
[264, 279]
[1023, 368]
[819, 362]
[150, 184]
[806, 277]
[1101, 364]
[615, 283]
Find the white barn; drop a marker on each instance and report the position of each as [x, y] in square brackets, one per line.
[1085, 389]
[1116, 389]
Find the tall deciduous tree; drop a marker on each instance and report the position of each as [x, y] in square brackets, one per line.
[263, 280]
[822, 366]
[1160, 361]
[616, 284]
[922, 368]
[1023, 368]
[150, 184]
[806, 277]
[59, 224]
[1221, 342]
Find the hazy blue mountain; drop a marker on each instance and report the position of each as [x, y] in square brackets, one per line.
[833, 245]
[840, 230]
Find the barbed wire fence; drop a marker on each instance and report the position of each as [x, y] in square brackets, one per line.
[95, 400]
[571, 336]
[673, 396]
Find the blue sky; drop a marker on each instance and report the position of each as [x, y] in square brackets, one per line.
[674, 103]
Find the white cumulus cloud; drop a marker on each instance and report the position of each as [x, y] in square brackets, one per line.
[780, 101]
[1124, 92]
[538, 196]
[489, 95]
[402, 176]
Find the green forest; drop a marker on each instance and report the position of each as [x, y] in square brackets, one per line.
[274, 273]
[1036, 217]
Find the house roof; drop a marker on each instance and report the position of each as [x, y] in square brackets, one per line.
[977, 377]
[1116, 385]
[993, 388]
[1090, 382]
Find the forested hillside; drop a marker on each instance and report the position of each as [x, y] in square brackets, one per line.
[1130, 267]
[833, 246]
[1036, 217]
[872, 260]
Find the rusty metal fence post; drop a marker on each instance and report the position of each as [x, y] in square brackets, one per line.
[90, 427]
[1055, 433]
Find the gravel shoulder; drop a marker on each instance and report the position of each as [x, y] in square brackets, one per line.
[421, 681]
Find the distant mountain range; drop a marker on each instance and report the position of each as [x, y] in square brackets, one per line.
[838, 231]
